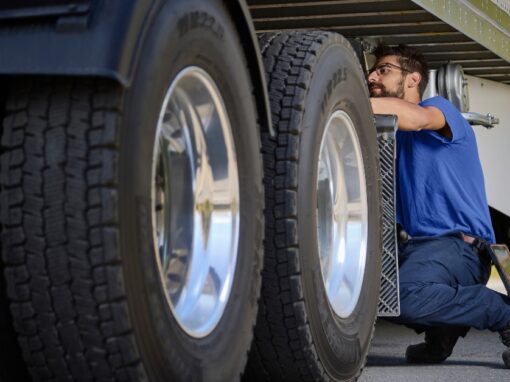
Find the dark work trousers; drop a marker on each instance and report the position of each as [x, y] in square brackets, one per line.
[442, 283]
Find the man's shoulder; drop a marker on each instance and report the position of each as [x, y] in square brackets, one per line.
[439, 102]
[458, 125]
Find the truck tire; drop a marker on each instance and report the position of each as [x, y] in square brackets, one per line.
[323, 214]
[132, 219]
[12, 366]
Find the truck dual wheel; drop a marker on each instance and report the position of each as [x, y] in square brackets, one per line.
[132, 220]
[322, 247]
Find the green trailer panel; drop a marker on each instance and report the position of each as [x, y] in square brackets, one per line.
[484, 21]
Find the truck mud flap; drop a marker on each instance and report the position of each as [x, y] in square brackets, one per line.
[389, 302]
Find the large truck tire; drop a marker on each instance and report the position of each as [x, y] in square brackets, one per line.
[320, 280]
[12, 365]
[132, 220]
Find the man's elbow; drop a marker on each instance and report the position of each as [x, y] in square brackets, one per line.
[412, 124]
[433, 119]
[428, 121]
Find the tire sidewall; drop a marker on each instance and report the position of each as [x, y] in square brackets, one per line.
[187, 33]
[338, 84]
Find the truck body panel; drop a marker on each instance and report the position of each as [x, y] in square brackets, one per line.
[493, 143]
[99, 42]
[472, 33]
[486, 22]
[100, 38]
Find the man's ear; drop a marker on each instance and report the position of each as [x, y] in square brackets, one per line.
[413, 80]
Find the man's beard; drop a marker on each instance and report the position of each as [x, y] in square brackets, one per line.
[384, 92]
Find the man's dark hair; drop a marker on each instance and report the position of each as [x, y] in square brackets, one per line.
[408, 58]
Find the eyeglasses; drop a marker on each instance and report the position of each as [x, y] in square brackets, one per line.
[386, 68]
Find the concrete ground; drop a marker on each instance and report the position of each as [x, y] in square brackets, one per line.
[477, 357]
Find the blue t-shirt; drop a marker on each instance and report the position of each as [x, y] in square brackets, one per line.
[440, 185]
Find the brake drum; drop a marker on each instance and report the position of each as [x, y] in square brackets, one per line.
[452, 85]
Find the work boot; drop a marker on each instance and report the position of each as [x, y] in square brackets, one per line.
[438, 345]
[505, 338]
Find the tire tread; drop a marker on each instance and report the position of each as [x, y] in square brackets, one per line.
[284, 348]
[60, 232]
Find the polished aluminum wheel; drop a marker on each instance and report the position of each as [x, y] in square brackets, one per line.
[341, 213]
[195, 202]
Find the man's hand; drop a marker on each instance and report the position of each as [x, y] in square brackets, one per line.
[411, 117]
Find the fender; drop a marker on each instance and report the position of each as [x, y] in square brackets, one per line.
[100, 38]
[241, 15]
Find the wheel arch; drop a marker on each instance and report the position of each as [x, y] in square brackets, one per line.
[244, 24]
[105, 40]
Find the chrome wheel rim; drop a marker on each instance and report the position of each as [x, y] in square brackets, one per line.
[341, 214]
[195, 202]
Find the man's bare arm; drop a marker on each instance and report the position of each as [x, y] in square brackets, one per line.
[411, 117]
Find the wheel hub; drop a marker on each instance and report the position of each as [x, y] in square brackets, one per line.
[342, 218]
[195, 202]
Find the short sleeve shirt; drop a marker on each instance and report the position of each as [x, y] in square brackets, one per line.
[440, 184]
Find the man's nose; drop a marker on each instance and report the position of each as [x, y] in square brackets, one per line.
[372, 77]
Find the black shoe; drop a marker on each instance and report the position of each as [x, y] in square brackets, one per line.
[506, 358]
[505, 338]
[438, 345]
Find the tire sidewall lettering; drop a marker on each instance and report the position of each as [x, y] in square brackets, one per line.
[195, 38]
[336, 93]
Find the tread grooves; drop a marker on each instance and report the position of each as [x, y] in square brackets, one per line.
[284, 347]
[59, 215]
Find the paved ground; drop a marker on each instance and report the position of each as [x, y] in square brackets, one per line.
[477, 357]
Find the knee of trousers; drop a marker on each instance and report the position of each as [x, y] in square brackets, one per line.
[415, 302]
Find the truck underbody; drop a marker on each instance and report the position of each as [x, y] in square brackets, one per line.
[462, 31]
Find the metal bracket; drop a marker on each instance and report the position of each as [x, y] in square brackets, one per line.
[485, 120]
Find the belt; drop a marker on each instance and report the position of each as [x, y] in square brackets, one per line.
[468, 239]
[404, 237]
[480, 245]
